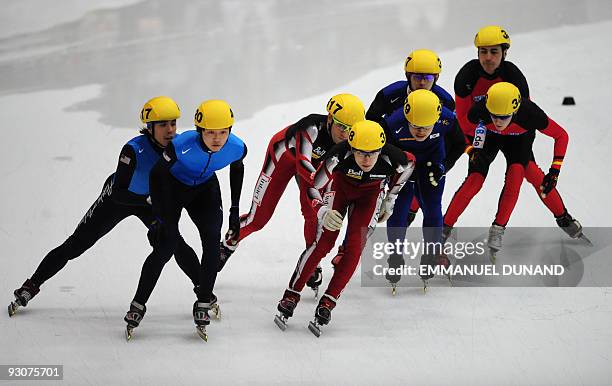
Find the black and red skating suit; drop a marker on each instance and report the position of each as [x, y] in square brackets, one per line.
[515, 142]
[472, 83]
[349, 190]
[295, 151]
[471, 86]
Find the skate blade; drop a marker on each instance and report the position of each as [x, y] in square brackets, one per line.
[314, 328]
[586, 240]
[201, 330]
[316, 293]
[281, 322]
[12, 308]
[393, 289]
[216, 310]
[493, 255]
[425, 286]
[128, 333]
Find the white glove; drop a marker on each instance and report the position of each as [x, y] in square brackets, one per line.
[149, 200]
[386, 209]
[332, 219]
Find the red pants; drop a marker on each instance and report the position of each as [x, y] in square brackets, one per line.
[278, 168]
[361, 203]
[473, 183]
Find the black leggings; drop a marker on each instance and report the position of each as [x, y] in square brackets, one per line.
[203, 205]
[516, 149]
[101, 217]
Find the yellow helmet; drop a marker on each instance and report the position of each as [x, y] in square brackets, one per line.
[346, 109]
[422, 108]
[214, 115]
[503, 98]
[367, 136]
[423, 62]
[160, 108]
[492, 35]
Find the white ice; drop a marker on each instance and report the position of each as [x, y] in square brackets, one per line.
[59, 146]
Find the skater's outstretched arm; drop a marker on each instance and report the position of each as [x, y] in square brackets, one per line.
[236, 180]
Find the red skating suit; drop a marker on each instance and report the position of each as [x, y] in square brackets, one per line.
[348, 189]
[296, 152]
[515, 142]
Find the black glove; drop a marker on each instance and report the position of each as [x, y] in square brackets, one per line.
[435, 172]
[472, 153]
[155, 232]
[234, 223]
[550, 181]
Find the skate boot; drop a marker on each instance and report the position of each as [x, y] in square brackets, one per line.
[571, 227]
[213, 301]
[133, 318]
[322, 314]
[395, 261]
[447, 230]
[201, 318]
[426, 266]
[338, 256]
[22, 296]
[285, 308]
[496, 233]
[315, 281]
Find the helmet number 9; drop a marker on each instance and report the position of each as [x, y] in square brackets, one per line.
[198, 116]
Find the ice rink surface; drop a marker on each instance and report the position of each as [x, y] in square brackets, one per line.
[74, 76]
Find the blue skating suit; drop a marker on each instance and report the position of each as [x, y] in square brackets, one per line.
[429, 196]
[194, 165]
[392, 97]
[146, 157]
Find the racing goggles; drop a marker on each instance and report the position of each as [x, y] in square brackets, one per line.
[501, 117]
[423, 128]
[425, 77]
[343, 126]
[364, 154]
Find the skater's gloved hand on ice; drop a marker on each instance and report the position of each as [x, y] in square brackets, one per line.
[234, 224]
[331, 219]
[386, 208]
[155, 232]
[435, 172]
[549, 182]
